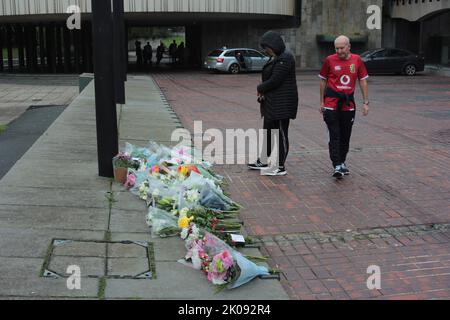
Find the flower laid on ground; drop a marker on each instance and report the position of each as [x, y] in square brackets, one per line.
[131, 180]
[143, 190]
[188, 200]
[184, 222]
[155, 170]
[183, 170]
[220, 270]
[223, 266]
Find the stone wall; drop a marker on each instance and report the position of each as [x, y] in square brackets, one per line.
[347, 17]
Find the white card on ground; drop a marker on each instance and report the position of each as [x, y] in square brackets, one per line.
[237, 238]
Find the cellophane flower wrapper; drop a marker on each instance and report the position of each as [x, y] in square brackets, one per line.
[163, 224]
[213, 197]
[141, 177]
[246, 270]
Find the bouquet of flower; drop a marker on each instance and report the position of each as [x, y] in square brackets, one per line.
[123, 160]
[224, 266]
[213, 197]
[163, 223]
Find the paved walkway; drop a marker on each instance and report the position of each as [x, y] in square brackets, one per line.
[393, 211]
[53, 194]
[20, 91]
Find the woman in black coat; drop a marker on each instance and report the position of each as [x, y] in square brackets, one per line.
[278, 96]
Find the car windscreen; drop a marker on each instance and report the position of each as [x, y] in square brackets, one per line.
[215, 53]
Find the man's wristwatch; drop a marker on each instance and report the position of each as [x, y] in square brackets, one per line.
[366, 103]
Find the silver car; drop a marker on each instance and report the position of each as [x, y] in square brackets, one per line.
[226, 60]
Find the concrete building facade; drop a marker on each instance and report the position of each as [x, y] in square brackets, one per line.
[37, 30]
[420, 26]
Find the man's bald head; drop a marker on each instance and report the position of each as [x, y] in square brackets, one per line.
[342, 46]
[342, 40]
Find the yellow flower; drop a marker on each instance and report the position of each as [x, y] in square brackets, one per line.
[183, 170]
[184, 222]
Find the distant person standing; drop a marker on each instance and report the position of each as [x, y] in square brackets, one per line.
[160, 52]
[138, 53]
[173, 51]
[180, 53]
[148, 54]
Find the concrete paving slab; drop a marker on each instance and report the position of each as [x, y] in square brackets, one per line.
[34, 243]
[126, 201]
[19, 216]
[53, 197]
[176, 281]
[20, 278]
[128, 221]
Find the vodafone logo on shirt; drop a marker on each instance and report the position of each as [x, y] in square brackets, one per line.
[345, 80]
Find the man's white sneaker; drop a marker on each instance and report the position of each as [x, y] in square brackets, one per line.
[344, 169]
[274, 172]
[338, 174]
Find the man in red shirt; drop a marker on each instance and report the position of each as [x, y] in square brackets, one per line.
[339, 75]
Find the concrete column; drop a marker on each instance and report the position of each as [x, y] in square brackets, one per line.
[34, 52]
[76, 44]
[87, 47]
[20, 44]
[1, 48]
[28, 49]
[59, 51]
[42, 48]
[9, 48]
[67, 50]
[50, 44]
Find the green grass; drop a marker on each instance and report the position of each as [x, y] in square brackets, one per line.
[168, 41]
[3, 127]
[15, 53]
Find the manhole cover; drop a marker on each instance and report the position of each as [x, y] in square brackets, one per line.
[99, 259]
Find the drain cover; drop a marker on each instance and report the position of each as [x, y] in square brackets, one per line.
[99, 259]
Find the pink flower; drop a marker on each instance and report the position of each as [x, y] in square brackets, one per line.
[227, 260]
[220, 266]
[131, 181]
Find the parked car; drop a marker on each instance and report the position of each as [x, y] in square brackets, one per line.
[391, 60]
[226, 60]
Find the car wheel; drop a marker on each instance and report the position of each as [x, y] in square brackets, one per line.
[235, 68]
[410, 70]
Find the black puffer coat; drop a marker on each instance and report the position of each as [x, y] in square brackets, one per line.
[279, 85]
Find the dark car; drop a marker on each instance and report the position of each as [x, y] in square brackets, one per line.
[390, 60]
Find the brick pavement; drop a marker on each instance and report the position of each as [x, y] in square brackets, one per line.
[324, 233]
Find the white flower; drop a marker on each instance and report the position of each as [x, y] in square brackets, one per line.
[195, 231]
[192, 195]
[184, 233]
[184, 212]
[156, 193]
